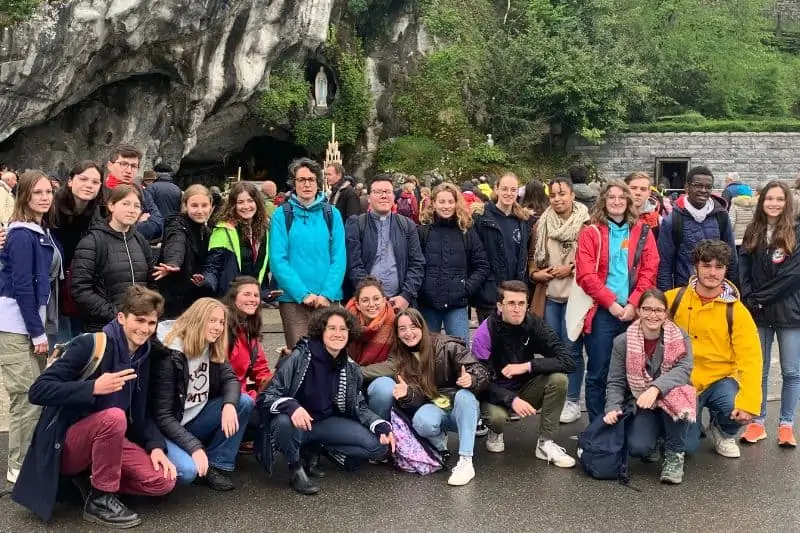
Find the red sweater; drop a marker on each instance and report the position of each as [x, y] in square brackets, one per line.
[240, 361]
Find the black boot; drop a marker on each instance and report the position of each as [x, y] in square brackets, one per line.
[311, 461]
[105, 509]
[216, 479]
[301, 482]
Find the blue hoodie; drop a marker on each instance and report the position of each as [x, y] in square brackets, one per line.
[309, 259]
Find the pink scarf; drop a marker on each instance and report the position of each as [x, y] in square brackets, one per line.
[681, 402]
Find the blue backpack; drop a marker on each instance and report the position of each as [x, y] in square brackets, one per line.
[603, 449]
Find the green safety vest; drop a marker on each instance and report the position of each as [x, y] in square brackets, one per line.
[225, 236]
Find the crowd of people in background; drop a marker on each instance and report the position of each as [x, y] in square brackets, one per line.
[148, 298]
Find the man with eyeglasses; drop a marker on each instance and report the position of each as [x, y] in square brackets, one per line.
[697, 215]
[506, 343]
[123, 166]
[8, 180]
[385, 245]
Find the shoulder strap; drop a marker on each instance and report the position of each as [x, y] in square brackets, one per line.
[729, 318]
[288, 215]
[362, 225]
[637, 256]
[99, 341]
[403, 222]
[327, 213]
[722, 223]
[677, 229]
[599, 248]
[424, 232]
[676, 302]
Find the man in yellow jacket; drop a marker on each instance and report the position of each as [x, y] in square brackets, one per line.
[727, 351]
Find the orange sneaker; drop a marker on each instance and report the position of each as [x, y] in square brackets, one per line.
[786, 437]
[753, 433]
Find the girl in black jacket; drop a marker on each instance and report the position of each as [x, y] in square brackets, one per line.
[769, 268]
[183, 252]
[109, 259]
[74, 208]
[198, 404]
[455, 263]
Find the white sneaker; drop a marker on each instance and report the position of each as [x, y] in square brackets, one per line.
[12, 475]
[724, 445]
[570, 413]
[551, 452]
[494, 442]
[462, 473]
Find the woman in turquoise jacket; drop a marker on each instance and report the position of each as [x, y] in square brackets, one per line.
[306, 249]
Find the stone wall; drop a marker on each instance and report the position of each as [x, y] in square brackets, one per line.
[788, 9]
[757, 157]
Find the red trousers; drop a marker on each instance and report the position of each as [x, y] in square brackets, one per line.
[118, 465]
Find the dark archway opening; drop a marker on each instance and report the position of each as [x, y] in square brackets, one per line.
[673, 171]
[262, 158]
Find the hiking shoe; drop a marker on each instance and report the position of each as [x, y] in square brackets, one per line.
[655, 454]
[753, 433]
[723, 444]
[672, 471]
[481, 430]
[549, 451]
[216, 479]
[785, 437]
[301, 483]
[570, 413]
[462, 473]
[494, 443]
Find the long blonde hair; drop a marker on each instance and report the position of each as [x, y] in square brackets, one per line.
[190, 328]
[517, 210]
[195, 190]
[462, 214]
[599, 213]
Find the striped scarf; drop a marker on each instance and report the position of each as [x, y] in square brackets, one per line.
[375, 342]
[681, 402]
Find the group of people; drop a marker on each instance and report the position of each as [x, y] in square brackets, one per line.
[673, 321]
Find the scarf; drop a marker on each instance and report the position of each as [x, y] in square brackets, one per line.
[552, 226]
[376, 337]
[699, 214]
[681, 402]
[339, 187]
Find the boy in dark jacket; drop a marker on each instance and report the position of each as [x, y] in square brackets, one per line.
[100, 422]
[506, 342]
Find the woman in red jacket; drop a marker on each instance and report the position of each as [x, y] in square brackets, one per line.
[615, 263]
[246, 354]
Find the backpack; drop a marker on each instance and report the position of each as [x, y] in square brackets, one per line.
[327, 214]
[412, 453]
[425, 231]
[603, 449]
[677, 226]
[405, 207]
[99, 341]
[728, 311]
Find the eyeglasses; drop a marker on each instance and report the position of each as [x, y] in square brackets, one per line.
[383, 192]
[702, 186]
[658, 311]
[125, 164]
[305, 181]
[517, 305]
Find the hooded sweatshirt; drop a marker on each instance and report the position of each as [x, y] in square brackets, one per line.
[199, 374]
[585, 194]
[123, 359]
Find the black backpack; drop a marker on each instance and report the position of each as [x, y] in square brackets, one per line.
[327, 213]
[677, 301]
[603, 449]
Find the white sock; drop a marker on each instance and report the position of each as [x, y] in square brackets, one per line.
[466, 459]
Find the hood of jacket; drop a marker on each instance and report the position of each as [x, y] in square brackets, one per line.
[163, 329]
[106, 228]
[749, 202]
[738, 189]
[729, 292]
[316, 205]
[584, 192]
[164, 176]
[122, 359]
[30, 226]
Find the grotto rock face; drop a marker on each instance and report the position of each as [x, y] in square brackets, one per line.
[171, 76]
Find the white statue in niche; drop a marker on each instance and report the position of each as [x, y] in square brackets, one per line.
[490, 140]
[321, 88]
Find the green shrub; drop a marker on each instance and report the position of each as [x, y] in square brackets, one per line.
[313, 134]
[14, 11]
[717, 126]
[287, 97]
[409, 154]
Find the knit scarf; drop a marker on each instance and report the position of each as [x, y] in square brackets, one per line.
[681, 402]
[699, 214]
[552, 226]
[376, 337]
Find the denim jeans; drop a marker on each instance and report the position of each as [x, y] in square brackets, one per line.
[433, 423]
[338, 434]
[789, 352]
[650, 424]
[605, 327]
[380, 396]
[68, 327]
[207, 427]
[719, 399]
[555, 314]
[456, 321]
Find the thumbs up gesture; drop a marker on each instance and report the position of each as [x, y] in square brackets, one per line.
[401, 389]
[464, 379]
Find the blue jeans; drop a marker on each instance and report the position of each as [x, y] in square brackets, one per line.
[555, 314]
[789, 352]
[380, 396]
[338, 434]
[650, 424]
[433, 423]
[456, 321]
[719, 399]
[207, 427]
[605, 327]
[68, 327]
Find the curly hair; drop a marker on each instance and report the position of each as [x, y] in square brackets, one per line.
[783, 236]
[712, 250]
[462, 214]
[599, 213]
[260, 221]
[319, 321]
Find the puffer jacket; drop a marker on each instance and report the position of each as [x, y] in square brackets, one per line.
[742, 211]
[771, 285]
[488, 230]
[105, 264]
[451, 354]
[676, 264]
[185, 245]
[451, 276]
